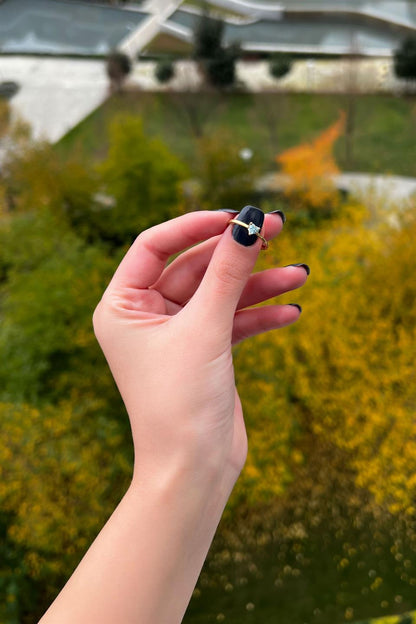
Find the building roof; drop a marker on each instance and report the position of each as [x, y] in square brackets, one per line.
[53, 27]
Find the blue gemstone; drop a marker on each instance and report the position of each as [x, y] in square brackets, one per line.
[253, 229]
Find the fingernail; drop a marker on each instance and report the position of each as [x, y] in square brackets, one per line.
[280, 213]
[227, 210]
[249, 214]
[296, 305]
[301, 264]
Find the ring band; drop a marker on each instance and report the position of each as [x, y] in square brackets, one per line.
[253, 229]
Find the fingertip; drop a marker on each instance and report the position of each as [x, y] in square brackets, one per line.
[278, 213]
[301, 265]
[273, 225]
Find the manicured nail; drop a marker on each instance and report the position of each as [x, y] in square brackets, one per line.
[303, 265]
[254, 217]
[296, 305]
[227, 210]
[280, 213]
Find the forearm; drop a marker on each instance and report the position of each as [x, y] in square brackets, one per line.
[144, 564]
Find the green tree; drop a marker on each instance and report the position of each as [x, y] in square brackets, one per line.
[143, 177]
[221, 68]
[51, 282]
[208, 36]
[405, 59]
[35, 178]
[216, 61]
[164, 71]
[280, 65]
[118, 68]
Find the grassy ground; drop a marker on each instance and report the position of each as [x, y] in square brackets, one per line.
[384, 135]
[304, 584]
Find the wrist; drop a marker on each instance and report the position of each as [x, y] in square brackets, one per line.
[191, 483]
[192, 462]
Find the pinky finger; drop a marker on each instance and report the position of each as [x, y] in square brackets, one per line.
[259, 320]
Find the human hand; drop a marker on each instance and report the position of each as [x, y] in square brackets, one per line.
[167, 333]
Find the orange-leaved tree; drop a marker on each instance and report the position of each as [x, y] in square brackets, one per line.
[310, 168]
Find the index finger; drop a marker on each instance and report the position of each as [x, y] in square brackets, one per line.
[145, 260]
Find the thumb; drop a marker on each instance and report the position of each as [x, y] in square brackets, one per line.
[217, 297]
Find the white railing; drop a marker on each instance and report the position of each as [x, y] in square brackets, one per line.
[269, 11]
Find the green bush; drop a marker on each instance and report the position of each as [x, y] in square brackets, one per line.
[280, 65]
[164, 71]
[405, 59]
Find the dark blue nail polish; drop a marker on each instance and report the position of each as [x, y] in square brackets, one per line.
[280, 213]
[301, 264]
[242, 235]
[296, 305]
[229, 210]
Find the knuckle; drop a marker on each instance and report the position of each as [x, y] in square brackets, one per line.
[146, 240]
[142, 237]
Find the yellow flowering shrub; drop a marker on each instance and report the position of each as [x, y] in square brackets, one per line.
[344, 374]
[61, 475]
[321, 526]
[407, 618]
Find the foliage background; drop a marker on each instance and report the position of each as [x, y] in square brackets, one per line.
[321, 526]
